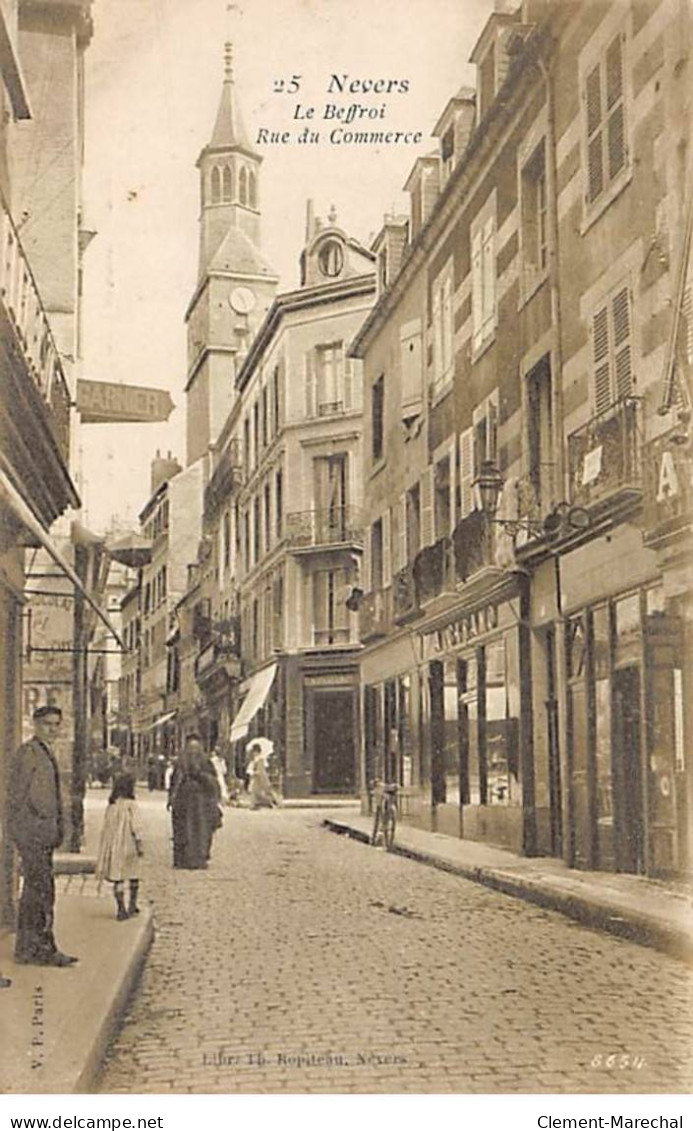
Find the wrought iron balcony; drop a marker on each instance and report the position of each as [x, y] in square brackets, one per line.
[227, 477]
[405, 604]
[472, 540]
[24, 318]
[433, 571]
[315, 529]
[604, 456]
[375, 614]
[223, 651]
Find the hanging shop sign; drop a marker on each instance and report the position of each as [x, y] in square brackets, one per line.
[103, 402]
[668, 481]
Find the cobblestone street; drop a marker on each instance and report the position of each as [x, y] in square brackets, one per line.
[305, 962]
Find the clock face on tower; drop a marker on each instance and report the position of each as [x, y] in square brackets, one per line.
[242, 300]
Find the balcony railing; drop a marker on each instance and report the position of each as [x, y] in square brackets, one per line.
[332, 527]
[472, 541]
[224, 649]
[604, 456]
[405, 604]
[227, 477]
[433, 571]
[375, 614]
[24, 311]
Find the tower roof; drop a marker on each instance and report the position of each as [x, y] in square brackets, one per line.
[239, 255]
[229, 129]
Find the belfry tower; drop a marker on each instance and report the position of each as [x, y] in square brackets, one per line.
[235, 284]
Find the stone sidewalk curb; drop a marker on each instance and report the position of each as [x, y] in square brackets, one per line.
[95, 1049]
[83, 1006]
[590, 910]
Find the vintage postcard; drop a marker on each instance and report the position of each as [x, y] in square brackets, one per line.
[346, 602]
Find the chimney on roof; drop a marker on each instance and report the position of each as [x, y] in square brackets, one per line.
[163, 469]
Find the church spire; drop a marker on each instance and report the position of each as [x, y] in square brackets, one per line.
[229, 128]
[229, 175]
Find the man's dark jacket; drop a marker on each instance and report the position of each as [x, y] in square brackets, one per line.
[34, 816]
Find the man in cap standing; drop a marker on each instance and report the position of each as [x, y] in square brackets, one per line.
[35, 823]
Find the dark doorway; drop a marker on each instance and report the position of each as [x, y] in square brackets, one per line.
[332, 739]
[554, 767]
[630, 854]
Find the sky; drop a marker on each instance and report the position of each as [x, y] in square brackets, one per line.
[153, 79]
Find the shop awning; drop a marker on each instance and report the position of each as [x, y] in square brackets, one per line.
[258, 691]
[163, 719]
[23, 512]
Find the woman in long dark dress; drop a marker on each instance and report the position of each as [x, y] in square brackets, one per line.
[194, 803]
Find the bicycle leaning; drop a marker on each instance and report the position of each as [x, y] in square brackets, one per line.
[385, 817]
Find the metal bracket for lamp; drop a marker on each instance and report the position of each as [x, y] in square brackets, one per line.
[489, 485]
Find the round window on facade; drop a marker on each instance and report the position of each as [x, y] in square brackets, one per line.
[331, 258]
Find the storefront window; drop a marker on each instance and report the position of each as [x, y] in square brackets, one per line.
[469, 703]
[577, 647]
[452, 756]
[628, 629]
[501, 728]
[405, 732]
[601, 632]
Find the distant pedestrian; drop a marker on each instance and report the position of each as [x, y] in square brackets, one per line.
[35, 825]
[220, 770]
[168, 774]
[151, 773]
[194, 803]
[121, 845]
[262, 795]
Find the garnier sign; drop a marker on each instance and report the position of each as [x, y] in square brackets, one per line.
[102, 402]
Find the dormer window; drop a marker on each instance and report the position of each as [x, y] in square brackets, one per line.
[243, 186]
[487, 80]
[252, 189]
[331, 258]
[447, 150]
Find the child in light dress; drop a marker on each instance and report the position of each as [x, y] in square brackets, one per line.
[121, 845]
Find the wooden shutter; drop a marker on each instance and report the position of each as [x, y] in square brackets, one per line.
[320, 603]
[595, 159]
[477, 288]
[437, 337]
[453, 484]
[427, 531]
[347, 383]
[615, 110]
[411, 368]
[600, 353]
[623, 373]
[403, 556]
[387, 548]
[492, 427]
[488, 261]
[356, 382]
[448, 335]
[310, 384]
[466, 471]
[366, 582]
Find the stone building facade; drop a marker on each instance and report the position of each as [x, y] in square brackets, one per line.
[520, 638]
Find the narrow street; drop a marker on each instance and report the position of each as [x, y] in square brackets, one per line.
[305, 962]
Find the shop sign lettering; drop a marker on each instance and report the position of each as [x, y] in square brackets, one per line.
[459, 632]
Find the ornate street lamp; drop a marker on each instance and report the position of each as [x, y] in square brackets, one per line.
[489, 485]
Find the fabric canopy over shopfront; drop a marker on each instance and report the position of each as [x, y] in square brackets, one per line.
[258, 690]
[164, 719]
